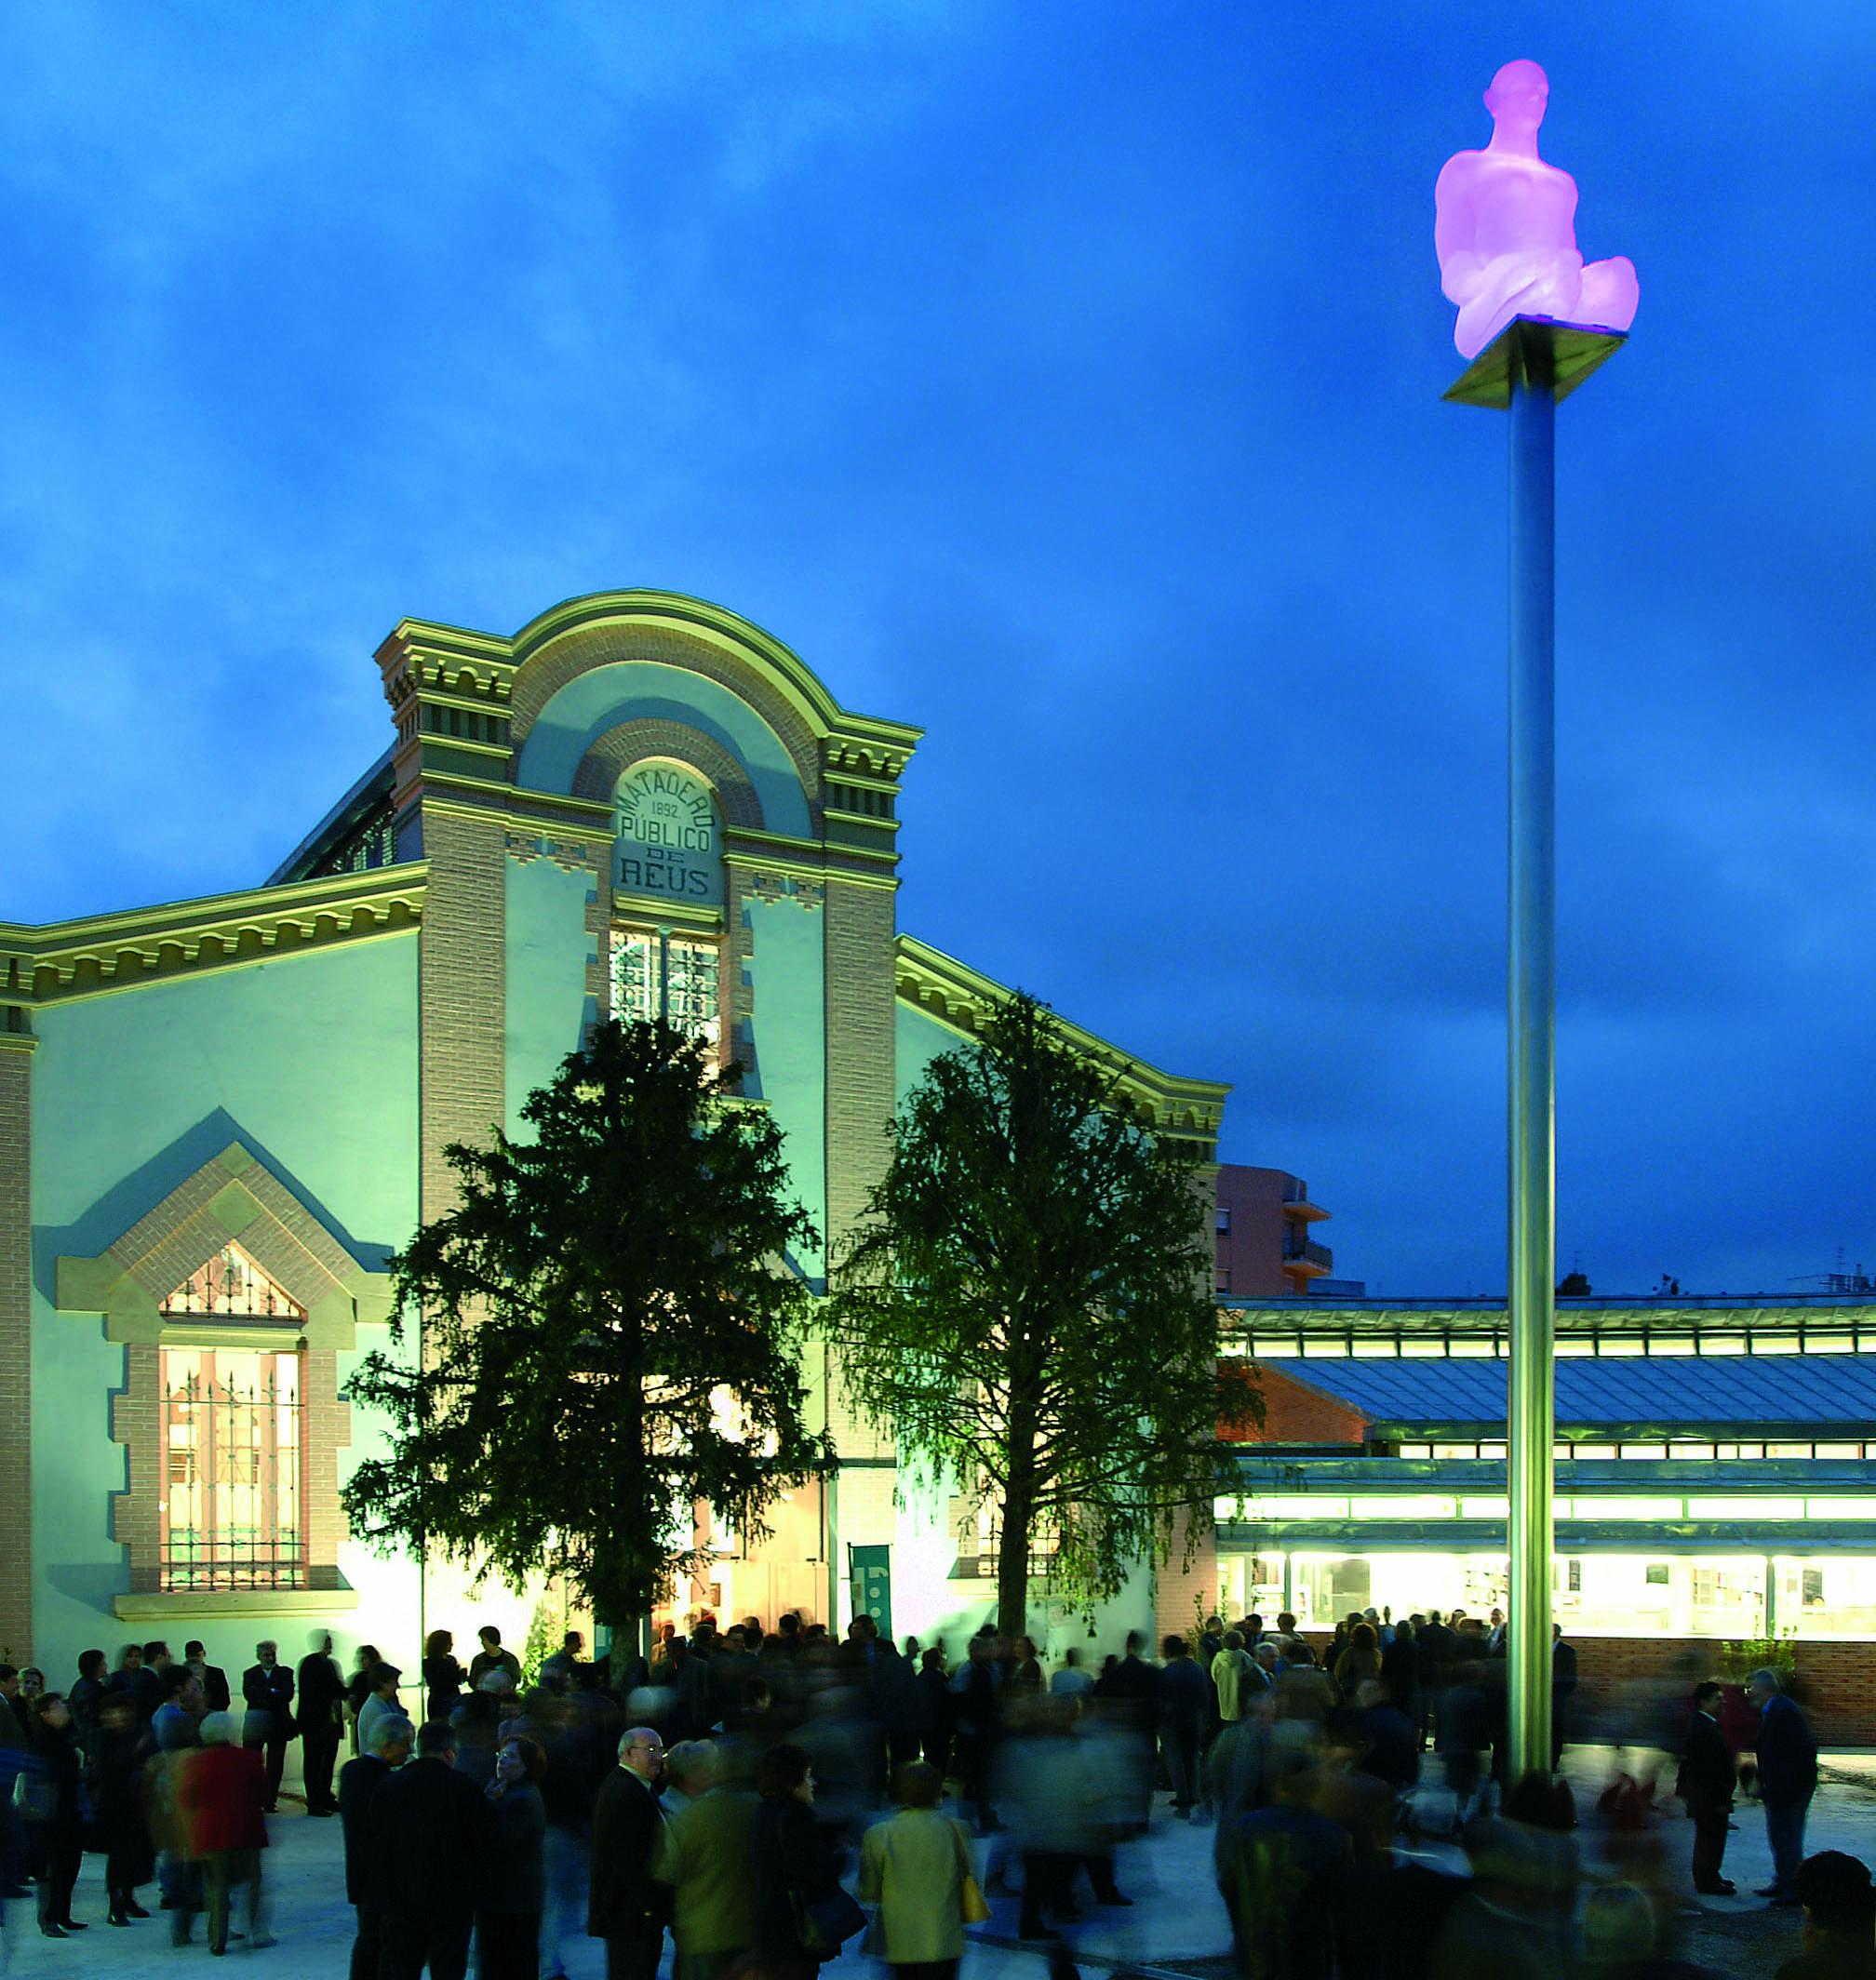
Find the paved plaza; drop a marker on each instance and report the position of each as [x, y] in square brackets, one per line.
[1177, 1924]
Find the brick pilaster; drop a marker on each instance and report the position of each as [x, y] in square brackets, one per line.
[136, 1512]
[861, 1018]
[462, 994]
[16, 1343]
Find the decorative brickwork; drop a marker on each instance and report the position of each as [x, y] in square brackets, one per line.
[232, 1196]
[461, 994]
[619, 749]
[573, 653]
[570, 855]
[15, 1342]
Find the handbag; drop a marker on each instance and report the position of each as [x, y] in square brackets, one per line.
[971, 1899]
[823, 1924]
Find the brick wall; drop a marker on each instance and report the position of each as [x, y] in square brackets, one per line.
[1296, 1412]
[462, 996]
[1182, 1592]
[16, 1345]
[862, 1011]
[1622, 1681]
[136, 1512]
[1835, 1683]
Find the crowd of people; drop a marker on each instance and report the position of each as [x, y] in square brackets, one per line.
[721, 1791]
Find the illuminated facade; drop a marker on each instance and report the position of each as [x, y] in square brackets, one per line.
[218, 1117]
[1715, 1467]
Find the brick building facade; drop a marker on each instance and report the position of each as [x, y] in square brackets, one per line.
[217, 1118]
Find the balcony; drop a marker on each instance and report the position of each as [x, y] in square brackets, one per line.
[1303, 1259]
[1297, 1203]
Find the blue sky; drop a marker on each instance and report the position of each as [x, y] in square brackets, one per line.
[1066, 379]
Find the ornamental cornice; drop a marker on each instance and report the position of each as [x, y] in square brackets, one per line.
[57, 961]
[962, 998]
[867, 759]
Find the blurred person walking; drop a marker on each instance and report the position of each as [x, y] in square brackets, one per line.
[916, 1867]
[1787, 1753]
[219, 1793]
[515, 1892]
[802, 1914]
[704, 1856]
[1286, 1874]
[359, 1781]
[119, 1826]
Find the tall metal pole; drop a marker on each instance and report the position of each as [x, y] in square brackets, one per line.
[1533, 1014]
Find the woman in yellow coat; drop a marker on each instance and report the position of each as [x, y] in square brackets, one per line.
[913, 1867]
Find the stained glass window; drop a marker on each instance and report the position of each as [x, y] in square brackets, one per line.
[667, 977]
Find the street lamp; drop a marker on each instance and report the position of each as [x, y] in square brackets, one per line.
[1535, 321]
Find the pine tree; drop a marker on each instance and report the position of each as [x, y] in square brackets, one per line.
[1027, 1303]
[604, 1330]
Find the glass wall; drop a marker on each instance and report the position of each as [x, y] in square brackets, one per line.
[1596, 1595]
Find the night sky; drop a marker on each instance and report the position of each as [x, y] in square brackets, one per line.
[1066, 379]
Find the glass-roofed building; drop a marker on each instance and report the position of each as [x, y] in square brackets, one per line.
[1716, 1473]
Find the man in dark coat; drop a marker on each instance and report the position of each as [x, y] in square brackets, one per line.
[430, 1833]
[1787, 1752]
[322, 1699]
[210, 1677]
[387, 1746]
[1707, 1778]
[627, 1907]
[1185, 1699]
[267, 1692]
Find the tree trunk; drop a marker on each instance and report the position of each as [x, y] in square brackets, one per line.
[1019, 1512]
[625, 1664]
[1012, 1567]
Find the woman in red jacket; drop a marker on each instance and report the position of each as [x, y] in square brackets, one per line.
[221, 1795]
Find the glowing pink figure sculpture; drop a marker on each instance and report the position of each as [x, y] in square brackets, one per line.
[1505, 229]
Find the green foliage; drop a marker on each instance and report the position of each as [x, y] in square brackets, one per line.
[546, 1627]
[1028, 1302]
[606, 1331]
[1739, 1660]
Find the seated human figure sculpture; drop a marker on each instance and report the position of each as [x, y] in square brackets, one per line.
[1505, 229]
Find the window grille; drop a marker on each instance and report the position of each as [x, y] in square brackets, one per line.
[669, 978]
[231, 1285]
[231, 1467]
